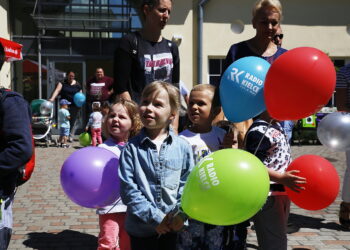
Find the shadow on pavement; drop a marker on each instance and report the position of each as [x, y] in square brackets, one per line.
[67, 239]
[302, 221]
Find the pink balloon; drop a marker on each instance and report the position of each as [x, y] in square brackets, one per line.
[89, 177]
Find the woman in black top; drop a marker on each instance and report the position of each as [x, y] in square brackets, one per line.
[67, 89]
[145, 56]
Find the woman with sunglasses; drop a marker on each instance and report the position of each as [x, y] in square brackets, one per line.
[277, 39]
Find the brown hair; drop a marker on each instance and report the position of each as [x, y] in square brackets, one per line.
[132, 109]
[151, 4]
[173, 93]
[213, 90]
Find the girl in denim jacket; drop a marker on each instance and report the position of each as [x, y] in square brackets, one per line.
[154, 166]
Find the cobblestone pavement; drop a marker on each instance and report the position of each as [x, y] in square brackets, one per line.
[44, 218]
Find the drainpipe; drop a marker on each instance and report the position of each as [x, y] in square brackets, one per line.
[200, 40]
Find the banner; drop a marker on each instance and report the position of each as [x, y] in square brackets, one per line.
[13, 50]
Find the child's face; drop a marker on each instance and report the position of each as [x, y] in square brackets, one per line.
[104, 110]
[64, 106]
[199, 107]
[155, 110]
[118, 122]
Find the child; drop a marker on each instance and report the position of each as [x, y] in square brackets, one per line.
[63, 121]
[95, 122]
[121, 122]
[203, 107]
[104, 112]
[154, 166]
[274, 151]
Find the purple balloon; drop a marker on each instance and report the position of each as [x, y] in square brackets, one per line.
[89, 177]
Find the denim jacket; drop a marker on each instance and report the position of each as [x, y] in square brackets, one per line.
[152, 183]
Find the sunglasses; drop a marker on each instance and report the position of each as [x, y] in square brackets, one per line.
[280, 36]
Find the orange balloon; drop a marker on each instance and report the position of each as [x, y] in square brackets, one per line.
[322, 185]
[299, 83]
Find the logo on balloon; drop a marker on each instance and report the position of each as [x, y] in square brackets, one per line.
[207, 174]
[250, 83]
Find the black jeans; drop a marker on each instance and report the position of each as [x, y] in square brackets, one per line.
[164, 242]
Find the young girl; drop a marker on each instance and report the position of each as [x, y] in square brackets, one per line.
[154, 166]
[95, 122]
[121, 122]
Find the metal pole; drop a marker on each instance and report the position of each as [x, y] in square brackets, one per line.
[39, 65]
[200, 40]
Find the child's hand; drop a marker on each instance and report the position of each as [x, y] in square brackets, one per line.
[230, 140]
[163, 227]
[176, 223]
[290, 180]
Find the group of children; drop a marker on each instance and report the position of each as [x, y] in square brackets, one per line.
[155, 163]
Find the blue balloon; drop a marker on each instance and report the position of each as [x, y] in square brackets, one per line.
[79, 99]
[242, 88]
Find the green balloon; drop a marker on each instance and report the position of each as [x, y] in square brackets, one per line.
[226, 187]
[85, 139]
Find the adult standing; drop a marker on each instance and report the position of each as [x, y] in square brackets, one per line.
[15, 151]
[267, 16]
[146, 56]
[343, 104]
[67, 89]
[99, 88]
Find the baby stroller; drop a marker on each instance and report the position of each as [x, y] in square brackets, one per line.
[42, 123]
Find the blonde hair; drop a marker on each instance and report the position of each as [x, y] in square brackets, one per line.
[274, 5]
[132, 110]
[173, 93]
[213, 90]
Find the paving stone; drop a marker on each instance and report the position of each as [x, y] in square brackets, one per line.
[44, 217]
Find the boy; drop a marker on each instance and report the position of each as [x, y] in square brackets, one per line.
[63, 121]
[203, 107]
[274, 151]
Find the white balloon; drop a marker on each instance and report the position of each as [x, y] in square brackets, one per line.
[46, 108]
[333, 131]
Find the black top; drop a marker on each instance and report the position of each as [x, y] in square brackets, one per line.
[138, 62]
[68, 91]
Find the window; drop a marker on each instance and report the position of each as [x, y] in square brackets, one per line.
[215, 70]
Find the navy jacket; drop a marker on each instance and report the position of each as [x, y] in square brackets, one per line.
[15, 139]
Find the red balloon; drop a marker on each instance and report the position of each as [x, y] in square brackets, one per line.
[299, 83]
[322, 185]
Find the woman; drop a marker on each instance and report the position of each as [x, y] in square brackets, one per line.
[145, 56]
[267, 16]
[67, 89]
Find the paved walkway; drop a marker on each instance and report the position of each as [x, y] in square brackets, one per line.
[44, 218]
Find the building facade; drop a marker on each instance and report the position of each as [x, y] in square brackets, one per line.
[82, 34]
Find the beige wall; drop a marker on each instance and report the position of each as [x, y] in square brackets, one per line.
[316, 23]
[5, 74]
[181, 24]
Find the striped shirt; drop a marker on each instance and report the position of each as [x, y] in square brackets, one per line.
[343, 80]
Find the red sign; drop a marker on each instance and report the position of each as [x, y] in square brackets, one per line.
[13, 50]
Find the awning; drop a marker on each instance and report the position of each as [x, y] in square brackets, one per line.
[13, 50]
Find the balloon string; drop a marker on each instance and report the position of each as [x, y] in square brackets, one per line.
[257, 148]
